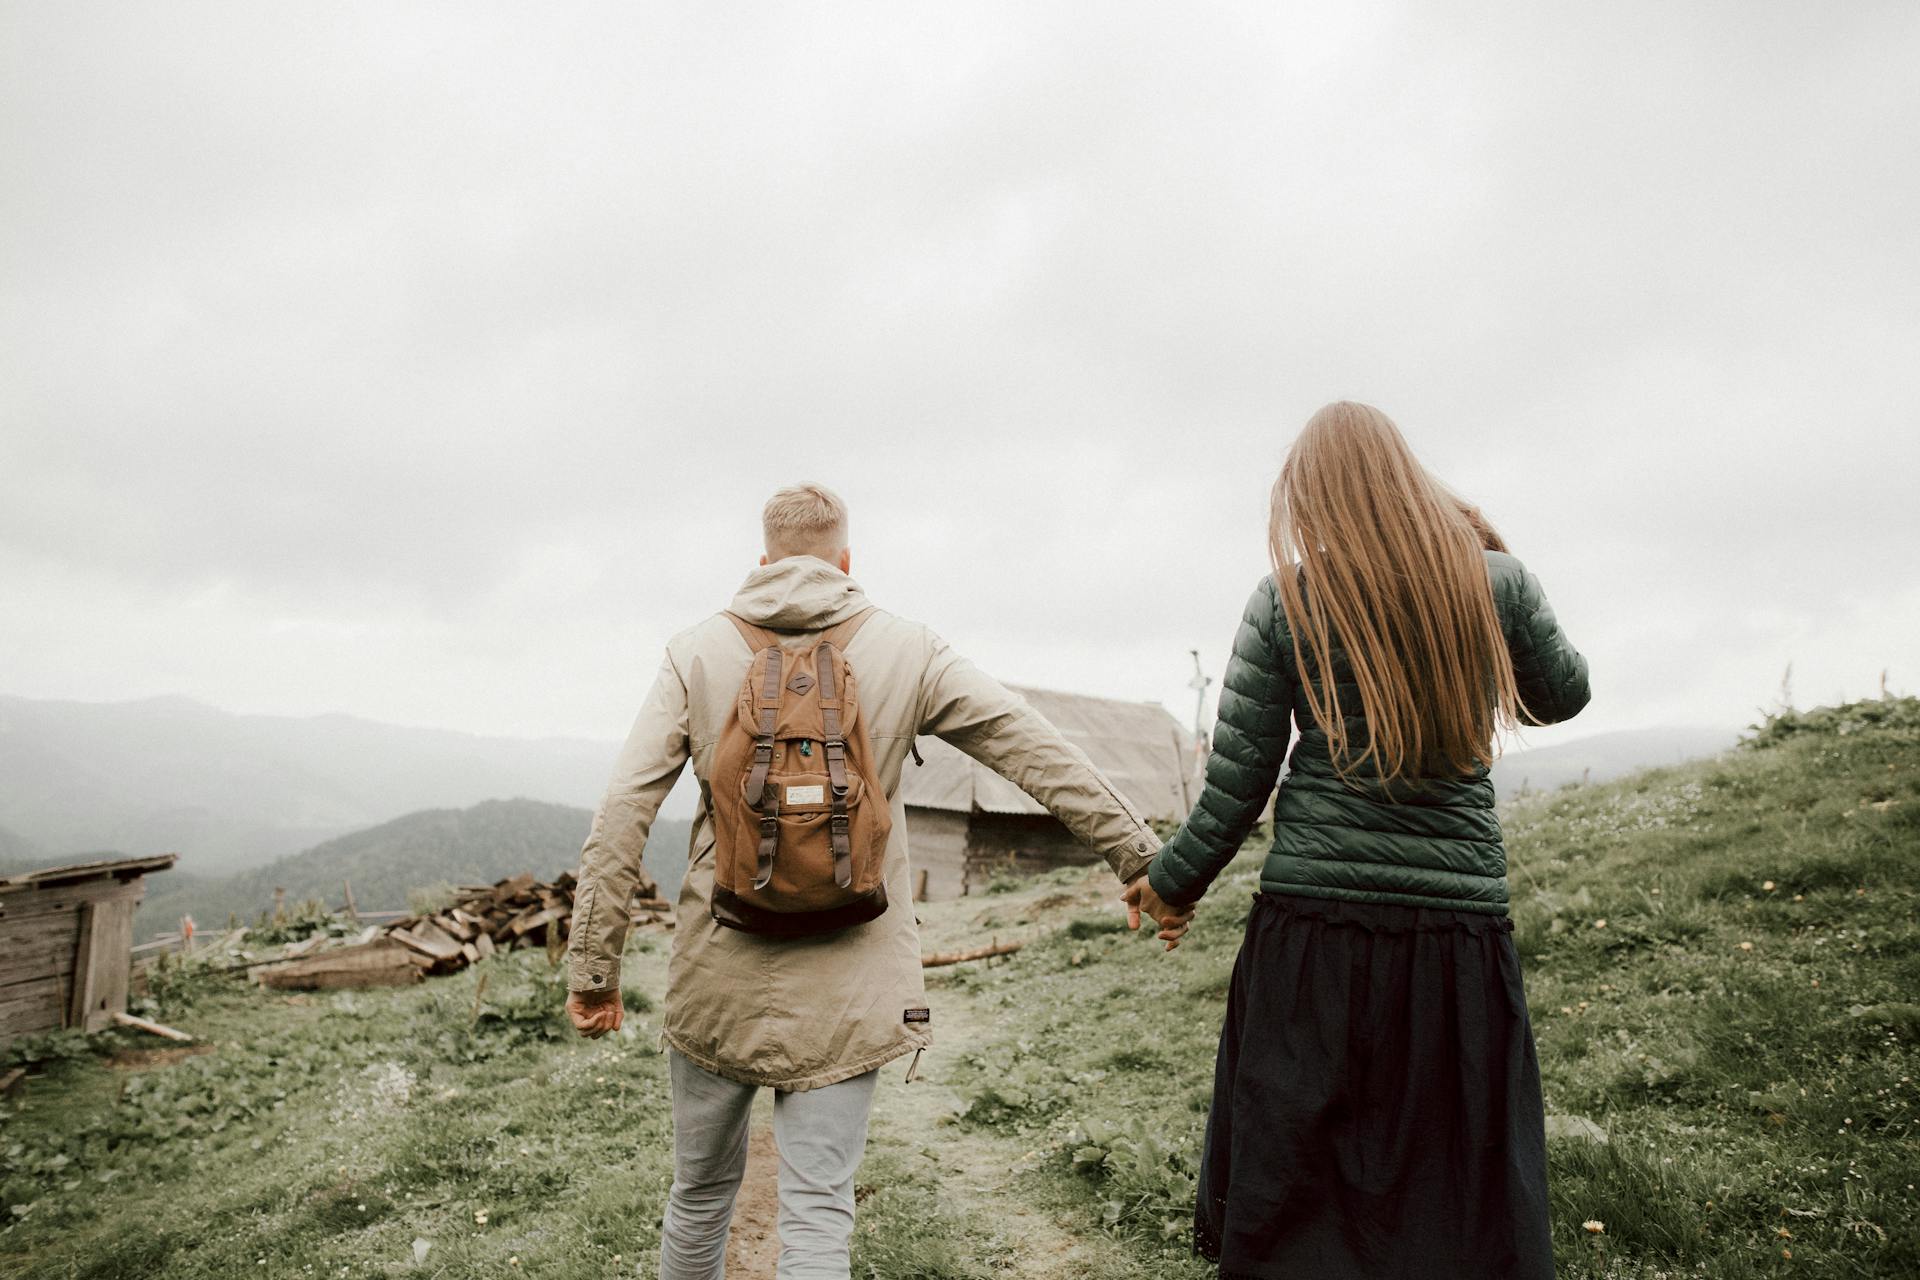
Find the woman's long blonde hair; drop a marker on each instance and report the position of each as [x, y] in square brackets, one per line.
[1369, 547]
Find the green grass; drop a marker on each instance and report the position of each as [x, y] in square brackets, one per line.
[1748, 1050]
[1722, 962]
[325, 1137]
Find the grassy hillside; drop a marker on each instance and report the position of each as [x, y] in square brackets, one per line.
[1721, 961]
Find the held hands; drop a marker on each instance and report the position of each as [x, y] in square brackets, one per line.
[595, 1013]
[1173, 921]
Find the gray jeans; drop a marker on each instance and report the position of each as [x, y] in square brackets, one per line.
[821, 1134]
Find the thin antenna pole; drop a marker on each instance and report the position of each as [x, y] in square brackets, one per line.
[1200, 683]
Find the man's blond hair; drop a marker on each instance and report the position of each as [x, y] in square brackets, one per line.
[805, 520]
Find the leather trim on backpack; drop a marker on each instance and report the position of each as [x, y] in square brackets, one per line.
[735, 913]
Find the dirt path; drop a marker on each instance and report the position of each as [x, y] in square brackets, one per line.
[975, 1170]
[753, 1246]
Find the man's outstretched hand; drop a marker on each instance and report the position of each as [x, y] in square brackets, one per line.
[595, 1013]
[1173, 921]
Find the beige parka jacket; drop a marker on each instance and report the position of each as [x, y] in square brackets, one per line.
[805, 1013]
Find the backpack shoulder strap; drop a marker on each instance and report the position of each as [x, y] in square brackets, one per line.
[758, 638]
[841, 634]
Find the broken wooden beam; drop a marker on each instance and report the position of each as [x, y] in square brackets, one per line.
[380, 963]
[151, 1028]
[939, 958]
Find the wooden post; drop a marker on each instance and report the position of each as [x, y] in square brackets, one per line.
[279, 905]
[101, 964]
[353, 912]
[81, 994]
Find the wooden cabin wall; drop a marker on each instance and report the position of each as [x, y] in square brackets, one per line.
[1019, 845]
[937, 850]
[65, 955]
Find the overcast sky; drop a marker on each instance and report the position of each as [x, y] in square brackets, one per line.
[431, 363]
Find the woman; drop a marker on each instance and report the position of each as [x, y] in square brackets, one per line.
[1376, 1107]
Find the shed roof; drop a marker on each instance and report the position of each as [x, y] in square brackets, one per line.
[1138, 745]
[114, 868]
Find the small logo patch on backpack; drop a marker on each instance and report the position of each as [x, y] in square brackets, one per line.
[919, 1015]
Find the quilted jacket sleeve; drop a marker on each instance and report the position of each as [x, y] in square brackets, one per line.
[1249, 745]
[649, 763]
[1551, 674]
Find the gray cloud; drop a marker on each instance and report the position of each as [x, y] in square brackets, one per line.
[430, 363]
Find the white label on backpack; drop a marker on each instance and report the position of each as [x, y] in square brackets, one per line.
[806, 795]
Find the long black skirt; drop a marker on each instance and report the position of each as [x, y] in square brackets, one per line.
[1376, 1105]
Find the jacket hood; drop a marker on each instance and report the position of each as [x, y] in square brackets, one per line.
[800, 593]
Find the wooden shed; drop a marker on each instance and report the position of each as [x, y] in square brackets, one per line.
[66, 943]
[967, 824]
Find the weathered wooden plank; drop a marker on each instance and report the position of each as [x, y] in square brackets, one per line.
[20, 903]
[526, 923]
[427, 940]
[38, 958]
[455, 929]
[39, 925]
[27, 1008]
[118, 956]
[101, 965]
[400, 975]
[89, 966]
[379, 963]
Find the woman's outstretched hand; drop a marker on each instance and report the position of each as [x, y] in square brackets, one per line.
[1173, 921]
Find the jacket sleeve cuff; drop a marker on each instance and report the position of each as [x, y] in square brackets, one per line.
[593, 975]
[1160, 876]
[1128, 860]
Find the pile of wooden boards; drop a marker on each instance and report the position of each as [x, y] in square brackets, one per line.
[516, 912]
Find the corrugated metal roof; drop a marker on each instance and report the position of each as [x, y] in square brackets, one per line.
[1138, 745]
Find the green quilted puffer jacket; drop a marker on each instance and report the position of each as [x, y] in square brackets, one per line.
[1436, 843]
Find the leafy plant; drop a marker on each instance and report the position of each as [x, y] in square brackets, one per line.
[1146, 1183]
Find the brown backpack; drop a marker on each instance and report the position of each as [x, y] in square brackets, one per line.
[800, 819]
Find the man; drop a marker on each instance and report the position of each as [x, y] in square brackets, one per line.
[814, 1018]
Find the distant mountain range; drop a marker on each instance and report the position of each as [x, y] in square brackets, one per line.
[228, 792]
[252, 803]
[1605, 756]
[477, 845]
